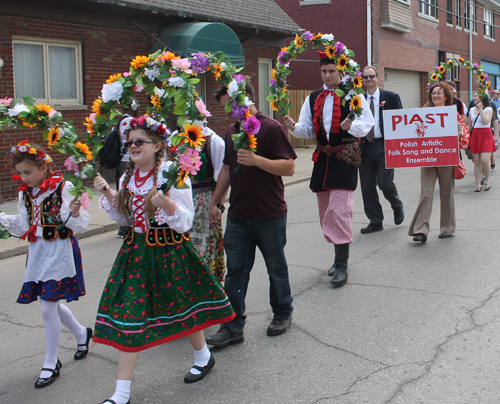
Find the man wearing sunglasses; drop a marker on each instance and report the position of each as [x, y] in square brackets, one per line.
[372, 171]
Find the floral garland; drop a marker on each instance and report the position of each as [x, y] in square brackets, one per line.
[482, 77]
[25, 147]
[340, 55]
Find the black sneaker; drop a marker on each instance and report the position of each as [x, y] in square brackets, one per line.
[279, 326]
[224, 337]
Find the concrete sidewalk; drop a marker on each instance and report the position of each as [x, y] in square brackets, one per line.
[100, 222]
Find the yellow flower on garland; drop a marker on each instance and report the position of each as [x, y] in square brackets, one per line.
[139, 62]
[355, 103]
[47, 159]
[33, 151]
[274, 74]
[28, 125]
[155, 100]
[357, 82]
[285, 48]
[44, 107]
[342, 62]
[253, 142]
[481, 77]
[299, 42]
[193, 135]
[488, 85]
[96, 106]
[53, 137]
[461, 60]
[318, 35]
[330, 51]
[441, 69]
[248, 114]
[90, 126]
[434, 77]
[181, 179]
[217, 68]
[274, 107]
[82, 147]
[113, 78]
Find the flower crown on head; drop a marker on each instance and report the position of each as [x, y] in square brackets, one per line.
[25, 147]
[146, 122]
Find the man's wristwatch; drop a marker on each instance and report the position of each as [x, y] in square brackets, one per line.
[221, 207]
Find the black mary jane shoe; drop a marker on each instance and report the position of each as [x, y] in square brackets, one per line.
[191, 378]
[420, 237]
[46, 381]
[82, 354]
[113, 401]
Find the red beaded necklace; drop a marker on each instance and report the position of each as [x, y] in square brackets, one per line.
[140, 181]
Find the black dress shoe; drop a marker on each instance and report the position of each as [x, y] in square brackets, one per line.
[278, 326]
[190, 378]
[444, 235]
[420, 237]
[224, 337]
[372, 228]
[399, 215]
[113, 401]
[339, 278]
[80, 354]
[46, 381]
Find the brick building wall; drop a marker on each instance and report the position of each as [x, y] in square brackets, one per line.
[105, 51]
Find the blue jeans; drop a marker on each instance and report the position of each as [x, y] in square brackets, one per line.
[240, 240]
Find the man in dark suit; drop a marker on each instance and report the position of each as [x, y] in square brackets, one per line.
[372, 171]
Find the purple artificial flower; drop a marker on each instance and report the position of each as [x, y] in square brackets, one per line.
[273, 83]
[475, 65]
[251, 125]
[284, 57]
[359, 74]
[238, 77]
[199, 62]
[486, 76]
[308, 35]
[239, 111]
[339, 47]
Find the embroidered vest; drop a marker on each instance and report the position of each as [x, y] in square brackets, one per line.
[156, 235]
[50, 214]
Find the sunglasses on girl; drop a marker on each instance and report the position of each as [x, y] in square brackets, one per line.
[369, 76]
[137, 143]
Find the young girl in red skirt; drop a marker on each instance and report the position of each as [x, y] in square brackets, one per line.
[159, 288]
[54, 262]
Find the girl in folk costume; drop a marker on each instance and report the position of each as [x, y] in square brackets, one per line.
[54, 262]
[159, 288]
[208, 238]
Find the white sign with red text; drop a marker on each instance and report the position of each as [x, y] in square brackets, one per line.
[421, 137]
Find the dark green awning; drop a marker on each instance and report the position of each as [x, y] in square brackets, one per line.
[207, 37]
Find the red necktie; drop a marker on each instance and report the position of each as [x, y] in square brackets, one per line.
[371, 134]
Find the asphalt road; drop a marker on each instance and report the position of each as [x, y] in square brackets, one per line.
[416, 323]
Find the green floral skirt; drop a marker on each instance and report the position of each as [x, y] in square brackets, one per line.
[158, 294]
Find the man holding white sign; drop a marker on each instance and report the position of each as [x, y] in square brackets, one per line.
[372, 170]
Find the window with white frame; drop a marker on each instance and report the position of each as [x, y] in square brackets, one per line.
[265, 67]
[489, 30]
[428, 7]
[470, 14]
[49, 71]
[458, 4]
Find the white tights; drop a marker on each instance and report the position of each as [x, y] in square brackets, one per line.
[55, 313]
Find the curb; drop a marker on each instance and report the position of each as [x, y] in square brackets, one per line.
[96, 230]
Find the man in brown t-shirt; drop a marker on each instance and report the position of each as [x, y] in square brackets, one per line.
[256, 218]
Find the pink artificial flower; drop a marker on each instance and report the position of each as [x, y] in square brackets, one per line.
[70, 164]
[200, 105]
[85, 200]
[6, 101]
[53, 112]
[182, 64]
[92, 118]
[251, 125]
[238, 77]
[190, 161]
[126, 74]
[138, 88]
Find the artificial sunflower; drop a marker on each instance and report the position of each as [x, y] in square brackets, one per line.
[318, 35]
[274, 107]
[90, 126]
[357, 82]
[342, 62]
[27, 124]
[113, 78]
[181, 179]
[299, 42]
[155, 100]
[139, 62]
[274, 74]
[253, 142]
[96, 106]
[441, 69]
[82, 147]
[285, 48]
[217, 68]
[481, 77]
[53, 137]
[461, 60]
[330, 51]
[355, 103]
[194, 135]
[44, 107]
[434, 77]
[488, 85]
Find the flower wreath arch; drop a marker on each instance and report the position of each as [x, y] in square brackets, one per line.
[482, 78]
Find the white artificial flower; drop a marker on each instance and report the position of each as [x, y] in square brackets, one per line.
[159, 92]
[346, 78]
[248, 102]
[176, 81]
[112, 92]
[348, 97]
[232, 87]
[345, 49]
[18, 108]
[223, 65]
[24, 149]
[152, 73]
[328, 37]
[352, 63]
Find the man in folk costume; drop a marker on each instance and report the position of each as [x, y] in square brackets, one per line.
[335, 173]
